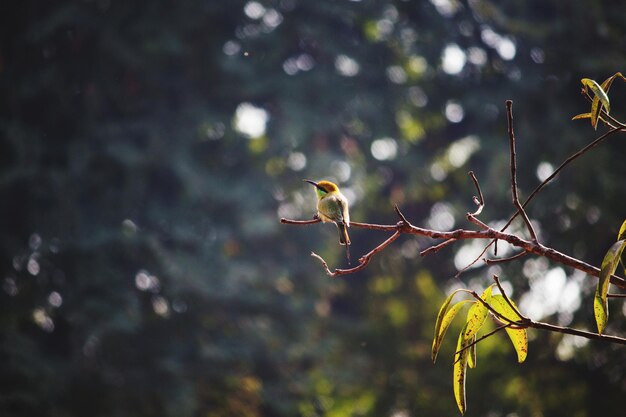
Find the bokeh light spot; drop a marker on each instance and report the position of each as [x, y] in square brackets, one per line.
[251, 120]
[453, 59]
[454, 112]
[384, 149]
[346, 66]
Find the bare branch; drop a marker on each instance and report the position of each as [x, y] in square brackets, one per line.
[437, 247]
[570, 159]
[473, 219]
[513, 164]
[462, 234]
[480, 201]
[478, 258]
[363, 261]
[503, 260]
[576, 332]
[616, 295]
[300, 222]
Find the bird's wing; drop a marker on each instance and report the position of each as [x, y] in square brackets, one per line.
[343, 206]
[330, 207]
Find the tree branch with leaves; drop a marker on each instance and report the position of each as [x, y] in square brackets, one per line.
[499, 306]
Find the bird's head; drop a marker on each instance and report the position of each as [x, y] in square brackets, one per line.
[323, 187]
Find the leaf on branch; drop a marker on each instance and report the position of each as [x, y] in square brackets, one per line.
[475, 319]
[609, 264]
[622, 235]
[582, 116]
[471, 358]
[460, 368]
[444, 319]
[519, 337]
[600, 97]
[622, 231]
[477, 314]
[606, 85]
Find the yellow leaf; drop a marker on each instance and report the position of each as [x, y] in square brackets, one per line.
[600, 302]
[519, 337]
[606, 85]
[477, 314]
[599, 97]
[460, 368]
[444, 319]
[582, 116]
[622, 231]
[471, 358]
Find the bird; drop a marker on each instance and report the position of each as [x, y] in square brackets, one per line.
[332, 206]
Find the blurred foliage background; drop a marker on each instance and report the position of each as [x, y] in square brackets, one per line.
[148, 149]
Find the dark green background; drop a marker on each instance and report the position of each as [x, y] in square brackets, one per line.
[144, 271]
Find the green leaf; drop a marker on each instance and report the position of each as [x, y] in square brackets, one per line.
[444, 319]
[599, 97]
[519, 337]
[460, 368]
[609, 264]
[622, 231]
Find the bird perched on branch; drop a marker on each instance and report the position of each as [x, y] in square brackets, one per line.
[332, 206]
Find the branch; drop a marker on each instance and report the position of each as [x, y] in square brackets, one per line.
[480, 201]
[570, 159]
[363, 261]
[437, 247]
[503, 260]
[526, 322]
[513, 164]
[576, 332]
[405, 227]
[507, 299]
[483, 337]
[300, 222]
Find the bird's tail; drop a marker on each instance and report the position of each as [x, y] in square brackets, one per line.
[344, 239]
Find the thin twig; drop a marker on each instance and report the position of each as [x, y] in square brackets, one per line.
[478, 258]
[498, 315]
[300, 222]
[363, 261]
[483, 337]
[570, 159]
[616, 295]
[473, 219]
[576, 332]
[508, 300]
[481, 201]
[503, 260]
[437, 247]
[513, 165]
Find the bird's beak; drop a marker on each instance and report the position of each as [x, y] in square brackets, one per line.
[312, 183]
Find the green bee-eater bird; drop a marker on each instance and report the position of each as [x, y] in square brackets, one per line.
[332, 206]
